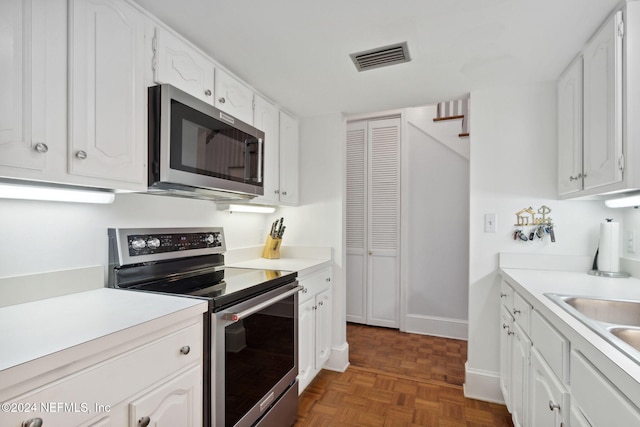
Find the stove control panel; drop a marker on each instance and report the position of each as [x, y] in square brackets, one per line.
[147, 244]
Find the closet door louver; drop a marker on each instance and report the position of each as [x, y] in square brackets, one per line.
[356, 221]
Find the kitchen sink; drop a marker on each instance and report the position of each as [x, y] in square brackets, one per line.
[607, 310]
[617, 321]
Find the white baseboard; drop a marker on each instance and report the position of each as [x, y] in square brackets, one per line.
[482, 385]
[339, 359]
[437, 326]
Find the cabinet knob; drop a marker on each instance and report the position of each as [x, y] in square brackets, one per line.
[276, 191]
[305, 290]
[516, 311]
[553, 406]
[321, 303]
[503, 295]
[328, 279]
[33, 422]
[81, 155]
[41, 147]
[221, 100]
[284, 193]
[144, 421]
[207, 92]
[185, 350]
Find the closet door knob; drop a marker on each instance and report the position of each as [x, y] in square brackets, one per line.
[41, 147]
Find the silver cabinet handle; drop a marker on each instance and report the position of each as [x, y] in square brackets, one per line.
[328, 279]
[144, 421]
[516, 311]
[509, 332]
[33, 422]
[276, 191]
[81, 155]
[185, 350]
[222, 100]
[321, 303]
[502, 295]
[207, 92]
[41, 147]
[284, 193]
[305, 290]
[505, 326]
[553, 406]
[574, 178]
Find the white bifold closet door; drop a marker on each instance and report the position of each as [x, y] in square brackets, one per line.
[373, 227]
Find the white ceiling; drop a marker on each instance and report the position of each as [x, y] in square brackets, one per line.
[296, 52]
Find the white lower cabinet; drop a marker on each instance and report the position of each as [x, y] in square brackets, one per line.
[314, 326]
[598, 400]
[549, 399]
[152, 380]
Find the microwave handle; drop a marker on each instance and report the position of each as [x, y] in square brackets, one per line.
[234, 317]
[260, 147]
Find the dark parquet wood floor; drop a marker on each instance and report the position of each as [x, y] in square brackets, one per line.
[397, 380]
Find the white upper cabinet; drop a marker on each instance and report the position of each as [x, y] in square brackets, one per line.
[233, 96]
[107, 93]
[180, 65]
[32, 86]
[289, 160]
[570, 129]
[266, 117]
[603, 162]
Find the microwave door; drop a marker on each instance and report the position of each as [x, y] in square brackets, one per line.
[253, 159]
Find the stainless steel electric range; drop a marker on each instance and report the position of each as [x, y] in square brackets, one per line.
[251, 327]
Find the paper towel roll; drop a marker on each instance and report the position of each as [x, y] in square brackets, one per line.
[609, 250]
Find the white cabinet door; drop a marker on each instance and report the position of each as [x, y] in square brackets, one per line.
[519, 375]
[266, 117]
[289, 159]
[180, 65]
[233, 97]
[549, 401]
[570, 129]
[107, 94]
[506, 345]
[177, 402]
[323, 327]
[603, 106]
[32, 60]
[306, 344]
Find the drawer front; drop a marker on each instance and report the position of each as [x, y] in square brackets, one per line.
[506, 295]
[551, 344]
[314, 284]
[521, 313]
[74, 399]
[600, 402]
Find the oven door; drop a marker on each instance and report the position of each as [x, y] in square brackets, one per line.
[255, 358]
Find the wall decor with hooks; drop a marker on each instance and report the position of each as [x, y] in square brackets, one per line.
[537, 223]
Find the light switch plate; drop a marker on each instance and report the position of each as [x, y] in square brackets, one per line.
[490, 223]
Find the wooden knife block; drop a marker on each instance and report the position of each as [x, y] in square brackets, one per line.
[272, 248]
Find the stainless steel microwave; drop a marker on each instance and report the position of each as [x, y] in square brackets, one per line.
[199, 151]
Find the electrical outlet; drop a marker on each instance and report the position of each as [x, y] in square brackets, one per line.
[490, 223]
[631, 242]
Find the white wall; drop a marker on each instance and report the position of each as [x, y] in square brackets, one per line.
[513, 166]
[318, 219]
[49, 236]
[436, 233]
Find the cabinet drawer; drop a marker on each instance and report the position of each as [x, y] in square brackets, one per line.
[521, 313]
[600, 402]
[314, 284]
[506, 295]
[551, 344]
[107, 383]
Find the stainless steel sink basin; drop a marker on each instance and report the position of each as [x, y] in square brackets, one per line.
[617, 321]
[629, 335]
[607, 310]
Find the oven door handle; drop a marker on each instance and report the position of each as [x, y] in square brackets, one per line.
[234, 317]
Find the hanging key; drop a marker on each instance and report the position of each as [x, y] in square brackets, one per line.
[552, 234]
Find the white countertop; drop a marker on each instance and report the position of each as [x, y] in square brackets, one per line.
[37, 329]
[302, 266]
[533, 284]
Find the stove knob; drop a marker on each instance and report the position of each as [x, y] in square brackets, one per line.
[210, 238]
[153, 243]
[138, 244]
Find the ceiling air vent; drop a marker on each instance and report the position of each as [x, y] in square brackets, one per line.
[381, 56]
